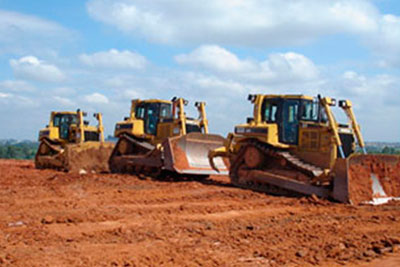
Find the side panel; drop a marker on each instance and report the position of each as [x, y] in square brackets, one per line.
[50, 132]
[54, 133]
[265, 132]
[132, 127]
[167, 129]
[316, 146]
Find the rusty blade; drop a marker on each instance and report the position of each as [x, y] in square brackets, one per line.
[188, 154]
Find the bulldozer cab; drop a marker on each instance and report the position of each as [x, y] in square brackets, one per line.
[303, 123]
[288, 114]
[152, 113]
[63, 122]
[155, 119]
[70, 127]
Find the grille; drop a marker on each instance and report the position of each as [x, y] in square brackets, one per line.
[91, 136]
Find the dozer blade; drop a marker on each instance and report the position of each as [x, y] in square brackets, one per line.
[373, 179]
[133, 156]
[49, 155]
[188, 154]
[87, 157]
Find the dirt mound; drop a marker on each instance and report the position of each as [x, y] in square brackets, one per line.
[88, 157]
[364, 168]
[50, 218]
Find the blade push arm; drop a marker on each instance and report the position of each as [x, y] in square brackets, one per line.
[100, 126]
[346, 105]
[179, 103]
[327, 102]
[81, 126]
[202, 115]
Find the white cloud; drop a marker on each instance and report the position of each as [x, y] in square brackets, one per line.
[131, 94]
[114, 59]
[5, 95]
[386, 41]
[215, 58]
[63, 101]
[15, 23]
[290, 66]
[20, 33]
[18, 86]
[96, 98]
[375, 99]
[31, 68]
[64, 91]
[382, 88]
[252, 22]
[198, 84]
[277, 67]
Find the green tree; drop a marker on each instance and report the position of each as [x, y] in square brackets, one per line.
[388, 150]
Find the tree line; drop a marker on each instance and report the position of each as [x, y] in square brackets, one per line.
[27, 150]
[388, 150]
[22, 150]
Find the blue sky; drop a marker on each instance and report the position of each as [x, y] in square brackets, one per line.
[97, 55]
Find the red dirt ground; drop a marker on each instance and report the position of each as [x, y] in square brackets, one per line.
[50, 218]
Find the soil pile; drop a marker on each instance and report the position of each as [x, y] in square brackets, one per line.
[385, 168]
[50, 218]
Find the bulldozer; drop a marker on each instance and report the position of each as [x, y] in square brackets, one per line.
[69, 143]
[158, 139]
[293, 145]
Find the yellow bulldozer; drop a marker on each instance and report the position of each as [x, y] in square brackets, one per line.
[294, 145]
[69, 143]
[158, 138]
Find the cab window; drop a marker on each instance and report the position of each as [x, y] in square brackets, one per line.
[165, 111]
[290, 111]
[270, 110]
[64, 119]
[56, 121]
[140, 111]
[152, 118]
[309, 110]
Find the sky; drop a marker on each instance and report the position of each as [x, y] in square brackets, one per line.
[97, 55]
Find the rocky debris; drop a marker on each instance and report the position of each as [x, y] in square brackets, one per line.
[47, 219]
[301, 253]
[16, 224]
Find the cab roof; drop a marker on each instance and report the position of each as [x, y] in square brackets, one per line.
[153, 101]
[64, 112]
[290, 96]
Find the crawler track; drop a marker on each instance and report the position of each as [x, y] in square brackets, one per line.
[279, 162]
